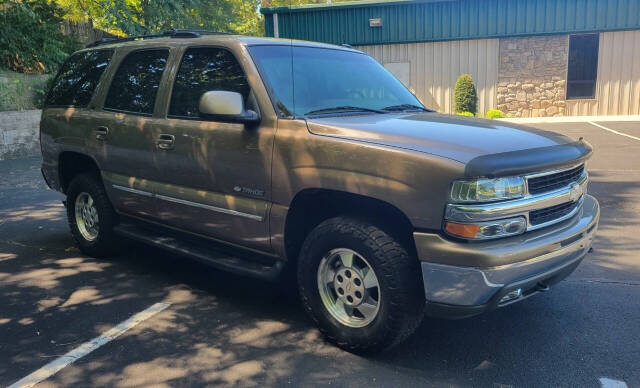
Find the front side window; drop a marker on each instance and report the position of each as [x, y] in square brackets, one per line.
[309, 80]
[135, 84]
[77, 79]
[205, 69]
[583, 66]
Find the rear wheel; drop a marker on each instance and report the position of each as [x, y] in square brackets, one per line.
[360, 285]
[91, 217]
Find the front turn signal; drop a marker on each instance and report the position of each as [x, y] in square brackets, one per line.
[487, 230]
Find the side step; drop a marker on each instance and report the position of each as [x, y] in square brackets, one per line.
[209, 252]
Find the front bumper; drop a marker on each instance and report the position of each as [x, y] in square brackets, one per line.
[465, 279]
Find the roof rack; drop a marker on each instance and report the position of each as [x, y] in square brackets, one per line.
[165, 34]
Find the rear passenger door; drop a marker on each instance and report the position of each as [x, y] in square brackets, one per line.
[216, 175]
[123, 131]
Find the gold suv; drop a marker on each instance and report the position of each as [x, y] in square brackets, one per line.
[270, 157]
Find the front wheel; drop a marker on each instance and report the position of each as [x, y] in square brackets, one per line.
[360, 285]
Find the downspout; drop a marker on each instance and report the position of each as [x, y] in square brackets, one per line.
[276, 32]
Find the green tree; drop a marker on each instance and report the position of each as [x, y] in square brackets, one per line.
[138, 17]
[31, 39]
[464, 95]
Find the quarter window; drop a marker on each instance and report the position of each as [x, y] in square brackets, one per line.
[583, 66]
[205, 69]
[135, 84]
[77, 79]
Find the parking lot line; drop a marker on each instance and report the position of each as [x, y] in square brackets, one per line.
[56, 365]
[611, 383]
[613, 131]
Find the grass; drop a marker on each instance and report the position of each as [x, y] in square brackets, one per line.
[21, 91]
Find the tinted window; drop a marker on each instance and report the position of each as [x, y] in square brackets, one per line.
[303, 80]
[583, 66]
[203, 70]
[75, 83]
[135, 84]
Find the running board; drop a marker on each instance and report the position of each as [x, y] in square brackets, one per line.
[209, 252]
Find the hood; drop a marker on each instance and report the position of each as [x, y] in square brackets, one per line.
[483, 145]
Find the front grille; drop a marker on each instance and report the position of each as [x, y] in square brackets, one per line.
[545, 183]
[547, 214]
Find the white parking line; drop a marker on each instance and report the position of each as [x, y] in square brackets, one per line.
[613, 131]
[56, 365]
[610, 383]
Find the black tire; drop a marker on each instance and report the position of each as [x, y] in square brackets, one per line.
[401, 299]
[106, 243]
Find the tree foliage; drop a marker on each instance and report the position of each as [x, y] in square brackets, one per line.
[138, 17]
[31, 40]
[464, 95]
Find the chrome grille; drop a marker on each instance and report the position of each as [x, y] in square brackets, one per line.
[538, 217]
[549, 182]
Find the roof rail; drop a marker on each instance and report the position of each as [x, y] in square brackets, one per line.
[174, 33]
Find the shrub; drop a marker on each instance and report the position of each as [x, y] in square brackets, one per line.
[31, 40]
[494, 114]
[465, 96]
[466, 114]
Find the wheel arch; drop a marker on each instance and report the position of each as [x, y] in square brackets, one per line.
[312, 206]
[72, 163]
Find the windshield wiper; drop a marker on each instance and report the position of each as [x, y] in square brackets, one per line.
[339, 109]
[403, 107]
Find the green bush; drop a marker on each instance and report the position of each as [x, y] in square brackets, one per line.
[31, 39]
[495, 114]
[464, 95]
[466, 114]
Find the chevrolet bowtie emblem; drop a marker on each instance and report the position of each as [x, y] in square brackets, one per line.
[575, 192]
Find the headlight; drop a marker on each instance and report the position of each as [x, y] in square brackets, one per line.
[487, 190]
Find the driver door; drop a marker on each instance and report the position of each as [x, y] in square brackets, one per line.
[215, 176]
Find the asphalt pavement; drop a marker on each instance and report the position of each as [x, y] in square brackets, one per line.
[228, 330]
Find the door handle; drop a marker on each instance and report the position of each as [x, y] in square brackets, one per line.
[165, 142]
[101, 133]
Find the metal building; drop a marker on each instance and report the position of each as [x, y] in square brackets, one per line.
[528, 58]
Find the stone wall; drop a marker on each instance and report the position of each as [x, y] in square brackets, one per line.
[19, 134]
[532, 76]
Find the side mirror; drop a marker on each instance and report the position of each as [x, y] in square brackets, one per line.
[227, 107]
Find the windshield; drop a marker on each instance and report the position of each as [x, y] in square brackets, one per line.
[311, 80]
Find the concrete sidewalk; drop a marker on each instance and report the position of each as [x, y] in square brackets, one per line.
[569, 119]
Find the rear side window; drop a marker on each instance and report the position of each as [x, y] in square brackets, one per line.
[77, 80]
[135, 84]
[205, 69]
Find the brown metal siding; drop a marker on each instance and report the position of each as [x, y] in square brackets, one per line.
[436, 66]
[618, 83]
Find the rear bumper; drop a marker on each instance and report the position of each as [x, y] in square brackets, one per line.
[465, 279]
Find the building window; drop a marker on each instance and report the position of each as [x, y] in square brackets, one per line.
[583, 66]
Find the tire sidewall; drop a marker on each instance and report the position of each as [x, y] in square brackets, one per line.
[102, 244]
[311, 255]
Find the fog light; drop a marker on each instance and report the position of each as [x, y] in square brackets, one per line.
[487, 230]
[511, 295]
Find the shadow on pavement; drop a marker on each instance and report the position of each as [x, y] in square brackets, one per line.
[230, 330]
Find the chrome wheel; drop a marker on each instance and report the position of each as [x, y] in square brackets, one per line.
[349, 287]
[86, 216]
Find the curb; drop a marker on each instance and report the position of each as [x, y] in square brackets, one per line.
[569, 119]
